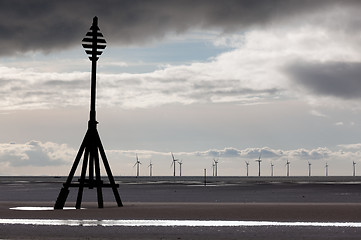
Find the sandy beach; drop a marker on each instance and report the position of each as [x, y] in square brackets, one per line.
[217, 203]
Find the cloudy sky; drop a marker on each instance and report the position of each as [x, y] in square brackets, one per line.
[226, 80]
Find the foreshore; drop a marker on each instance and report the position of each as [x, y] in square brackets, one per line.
[305, 212]
[226, 200]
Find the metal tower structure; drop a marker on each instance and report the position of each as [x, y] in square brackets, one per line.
[259, 164]
[94, 43]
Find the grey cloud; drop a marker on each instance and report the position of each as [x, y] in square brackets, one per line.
[254, 153]
[67, 84]
[337, 79]
[33, 153]
[42, 89]
[314, 154]
[270, 153]
[47, 25]
[250, 153]
[227, 152]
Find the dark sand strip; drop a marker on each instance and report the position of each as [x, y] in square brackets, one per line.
[329, 212]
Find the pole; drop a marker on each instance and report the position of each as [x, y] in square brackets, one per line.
[94, 72]
[205, 177]
[173, 168]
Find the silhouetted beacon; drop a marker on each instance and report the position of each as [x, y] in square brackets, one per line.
[94, 43]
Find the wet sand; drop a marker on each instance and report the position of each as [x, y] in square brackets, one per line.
[284, 202]
[331, 212]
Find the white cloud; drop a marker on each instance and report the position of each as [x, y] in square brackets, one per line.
[339, 123]
[317, 113]
[35, 153]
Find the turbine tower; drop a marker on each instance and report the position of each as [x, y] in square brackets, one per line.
[247, 164]
[150, 168]
[137, 163]
[173, 164]
[309, 169]
[288, 168]
[180, 167]
[272, 165]
[216, 167]
[354, 168]
[259, 164]
[94, 43]
[213, 167]
[326, 169]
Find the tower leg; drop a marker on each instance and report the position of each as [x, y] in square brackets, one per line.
[82, 179]
[64, 192]
[109, 173]
[99, 182]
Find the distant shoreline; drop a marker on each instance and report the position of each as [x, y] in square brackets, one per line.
[200, 179]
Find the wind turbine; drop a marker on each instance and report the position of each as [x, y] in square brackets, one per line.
[272, 165]
[309, 169]
[216, 167]
[173, 164]
[180, 167]
[137, 163]
[354, 168]
[288, 168]
[150, 168]
[326, 169]
[247, 164]
[259, 164]
[213, 166]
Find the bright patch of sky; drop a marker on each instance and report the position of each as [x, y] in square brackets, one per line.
[174, 50]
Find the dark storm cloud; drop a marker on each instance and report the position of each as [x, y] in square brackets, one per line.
[47, 25]
[337, 79]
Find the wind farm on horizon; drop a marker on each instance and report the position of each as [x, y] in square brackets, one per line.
[275, 169]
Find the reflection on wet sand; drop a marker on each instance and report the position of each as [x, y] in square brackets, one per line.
[172, 223]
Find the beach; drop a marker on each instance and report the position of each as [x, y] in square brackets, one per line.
[258, 210]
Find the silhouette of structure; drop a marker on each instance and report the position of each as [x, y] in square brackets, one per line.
[259, 164]
[205, 177]
[309, 169]
[326, 169]
[173, 164]
[288, 168]
[354, 168]
[91, 146]
[215, 167]
[272, 165]
[180, 167]
[137, 163]
[150, 168]
[247, 164]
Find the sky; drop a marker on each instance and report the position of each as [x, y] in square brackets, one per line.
[204, 80]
